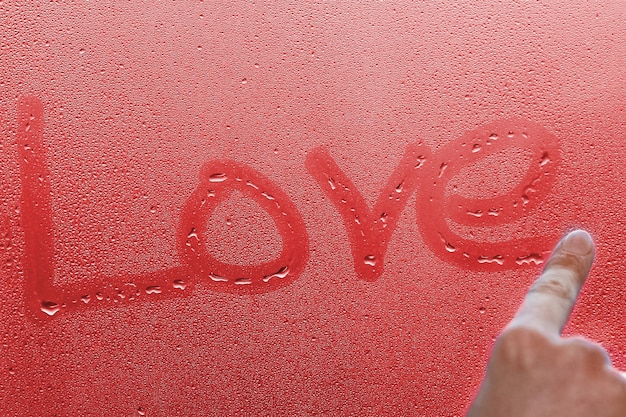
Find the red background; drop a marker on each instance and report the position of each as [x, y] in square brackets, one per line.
[136, 97]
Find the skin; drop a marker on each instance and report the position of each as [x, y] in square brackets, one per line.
[533, 371]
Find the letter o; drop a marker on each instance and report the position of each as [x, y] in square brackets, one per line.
[218, 179]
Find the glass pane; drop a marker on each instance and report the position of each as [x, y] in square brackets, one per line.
[296, 208]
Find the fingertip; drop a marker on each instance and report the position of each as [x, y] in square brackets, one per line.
[578, 242]
[575, 252]
[551, 298]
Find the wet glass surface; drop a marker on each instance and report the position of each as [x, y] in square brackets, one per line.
[319, 208]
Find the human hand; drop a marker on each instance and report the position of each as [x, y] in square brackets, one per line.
[533, 371]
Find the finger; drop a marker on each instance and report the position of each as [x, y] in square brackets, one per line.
[550, 299]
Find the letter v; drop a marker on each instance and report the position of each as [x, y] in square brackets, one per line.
[369, 231]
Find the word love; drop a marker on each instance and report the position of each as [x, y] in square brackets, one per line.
[440, 213]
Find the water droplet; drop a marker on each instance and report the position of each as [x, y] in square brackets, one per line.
[493, 136]
[383, 219]
[481, 310]
[50, 307]
[281, 273]
[532, 258]
[510, 135]
[5, 240]
[228, 222]
[450, 248]
[141, 411]
[244, 81]
[179, 284]
[494, 212]
[217, 177]
[421, 160]
[268, 196]
[11, 371]
[99, 296]
[399, 187]
[545, 159]
[152, 209]
[477, 213]
[192, 234]
[442, 169]
[498, 259]
[85, 298]
[251, 184]
[370, 260]
[243, 281]
[331, 182]
[525, 199]
[530, 189]
[218, 278]
[476, 147]
[153, 289]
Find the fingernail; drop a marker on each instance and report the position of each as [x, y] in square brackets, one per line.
[578, 242]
